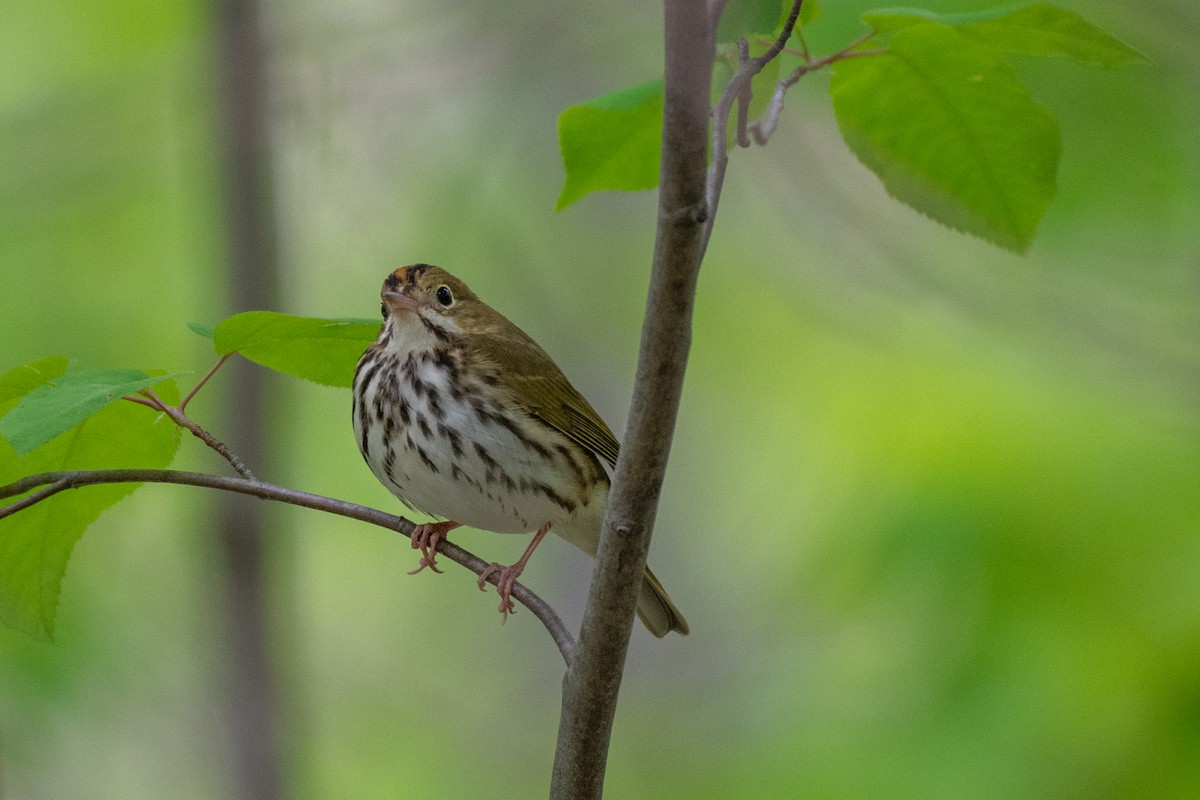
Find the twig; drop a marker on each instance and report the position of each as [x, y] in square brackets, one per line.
[761, 129]
[184, 421]
[720, 114]
[32, 499]
[55, 482]
[142, 401]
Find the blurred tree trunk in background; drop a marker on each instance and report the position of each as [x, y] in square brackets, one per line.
[253, 284]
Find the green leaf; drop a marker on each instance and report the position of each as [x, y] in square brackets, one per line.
[809, 12]
[1040, 29]
[62, 402]
[886, 20]
[36, 543]
[948, 128]
[19, 381]
[612, 142]
[745, 17]
[1045, 30]
[321, 350]
[201, 330]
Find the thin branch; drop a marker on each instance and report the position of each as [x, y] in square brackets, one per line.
[184, 421]
[143, 401]
[784, 34]
[55, 482]
[762, 129]
[32, 499]
[739, 84]
[850, 53]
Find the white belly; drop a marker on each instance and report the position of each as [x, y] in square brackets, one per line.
[474, 462]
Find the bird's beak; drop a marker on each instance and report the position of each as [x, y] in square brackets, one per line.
[398, 303]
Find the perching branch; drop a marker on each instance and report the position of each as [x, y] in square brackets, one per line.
[54, 482]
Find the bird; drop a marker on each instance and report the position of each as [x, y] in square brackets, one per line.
[464, 417]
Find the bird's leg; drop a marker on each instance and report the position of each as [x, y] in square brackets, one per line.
[508, 575]
[425, 538]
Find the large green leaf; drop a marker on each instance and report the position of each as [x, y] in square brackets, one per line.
[612, 142]
[36, 543]
[885, 20]
[321, 350]
[65, 400]
[948, 128]
[1046, 30]
[1040, 29]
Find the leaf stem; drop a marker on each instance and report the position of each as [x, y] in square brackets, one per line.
[183, 403]
[55, 482]
[744, 96]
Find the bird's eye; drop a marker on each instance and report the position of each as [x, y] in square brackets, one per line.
[444, 296]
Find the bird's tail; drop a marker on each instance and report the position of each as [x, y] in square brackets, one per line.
[657, 612]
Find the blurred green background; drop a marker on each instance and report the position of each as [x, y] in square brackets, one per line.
[933, 512]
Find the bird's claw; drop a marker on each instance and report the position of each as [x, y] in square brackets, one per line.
[426, 538]
[504, 586]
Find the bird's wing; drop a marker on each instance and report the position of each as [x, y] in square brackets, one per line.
[544, 391]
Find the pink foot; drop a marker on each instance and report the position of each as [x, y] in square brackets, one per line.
[504, 585]
[509, 575]
[425, 538]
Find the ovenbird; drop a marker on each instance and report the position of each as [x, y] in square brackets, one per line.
[461, 415]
